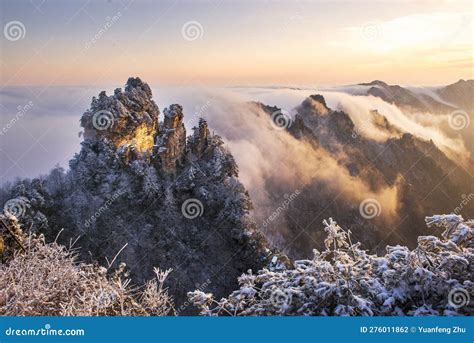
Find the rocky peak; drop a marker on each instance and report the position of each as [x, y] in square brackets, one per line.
[200, 138]
[314, 104]
[162, 210]
[128, 117]
[170, 145]
[129, 121]
[319, 98]
[173, 116]
[136, 86]
[375, 83]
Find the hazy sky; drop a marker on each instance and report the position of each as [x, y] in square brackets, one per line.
[79, 42]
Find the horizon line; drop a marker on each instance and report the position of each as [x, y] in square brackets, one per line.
[238, 85]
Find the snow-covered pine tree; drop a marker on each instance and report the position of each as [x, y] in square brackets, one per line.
[130, 183]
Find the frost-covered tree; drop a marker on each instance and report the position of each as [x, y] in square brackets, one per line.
[130, 184]
[435, 278]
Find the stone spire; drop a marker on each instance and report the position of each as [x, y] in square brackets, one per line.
[170, 146]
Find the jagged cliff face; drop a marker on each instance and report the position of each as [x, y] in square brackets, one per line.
[126, 118]
[171, 141]
[424, 178]
[170, 201]
[455, 101]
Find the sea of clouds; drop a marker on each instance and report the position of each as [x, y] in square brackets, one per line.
[40, 129]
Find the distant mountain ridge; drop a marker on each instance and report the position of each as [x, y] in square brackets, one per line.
[459, 94]
[427, 180]
[456, 100]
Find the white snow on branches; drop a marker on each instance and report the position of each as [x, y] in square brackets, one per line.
[345, 280]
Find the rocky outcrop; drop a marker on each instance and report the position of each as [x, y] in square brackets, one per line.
[199, 141]
[127, 117]
[141, 187]
[170, 146]
[426, 180]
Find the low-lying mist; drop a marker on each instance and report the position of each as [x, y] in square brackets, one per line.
[274, 165]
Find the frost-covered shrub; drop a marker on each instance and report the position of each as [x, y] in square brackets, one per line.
[45, 280]
[436, 278]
